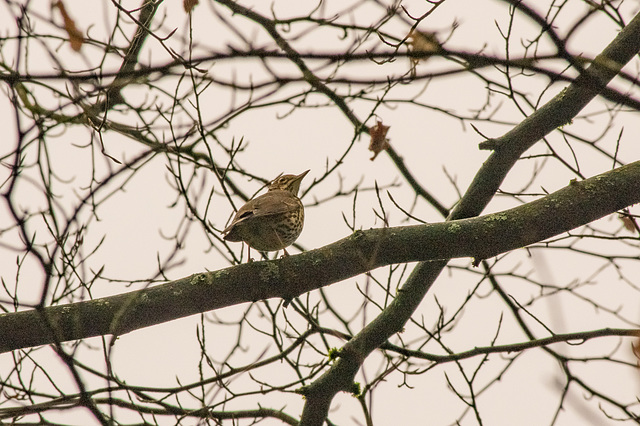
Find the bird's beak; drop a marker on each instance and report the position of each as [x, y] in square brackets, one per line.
[295, 185]
[302, 175]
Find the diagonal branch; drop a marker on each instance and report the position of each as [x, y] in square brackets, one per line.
[507, 150]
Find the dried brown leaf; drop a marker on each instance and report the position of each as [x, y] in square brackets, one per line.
[379, 141]
[189, 5]
[629, 222]
[75, 35]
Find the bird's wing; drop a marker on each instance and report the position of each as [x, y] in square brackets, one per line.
[275, 205]
[264, 206]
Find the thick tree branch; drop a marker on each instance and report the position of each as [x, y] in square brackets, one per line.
[577, 204]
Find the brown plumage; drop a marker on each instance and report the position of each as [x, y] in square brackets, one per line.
[271, 221]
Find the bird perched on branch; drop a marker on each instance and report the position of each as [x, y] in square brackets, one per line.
[271, 221]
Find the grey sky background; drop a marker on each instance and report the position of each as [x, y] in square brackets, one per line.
[439, 149]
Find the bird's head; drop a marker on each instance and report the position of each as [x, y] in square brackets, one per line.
[289, 183]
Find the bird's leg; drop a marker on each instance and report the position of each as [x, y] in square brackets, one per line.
[249, 259]
[280, 240]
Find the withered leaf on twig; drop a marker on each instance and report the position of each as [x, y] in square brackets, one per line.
[629, 222]
[189, 5]
[75, 35]
[379, 141]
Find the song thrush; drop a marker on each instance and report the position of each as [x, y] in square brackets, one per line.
[272, 221]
